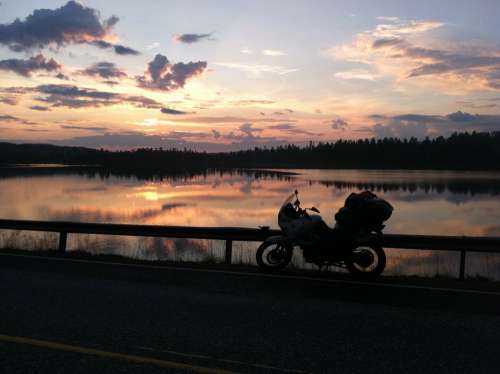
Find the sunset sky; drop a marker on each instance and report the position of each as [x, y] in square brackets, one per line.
[225, 75]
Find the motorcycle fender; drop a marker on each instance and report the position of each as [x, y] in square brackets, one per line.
[278, 239]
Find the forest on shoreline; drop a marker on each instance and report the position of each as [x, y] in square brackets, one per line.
[460, 151]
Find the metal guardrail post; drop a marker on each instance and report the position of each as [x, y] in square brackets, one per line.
[229, 251]
[63, 236]
[462, 264]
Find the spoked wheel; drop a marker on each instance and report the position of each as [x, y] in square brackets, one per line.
[367, 261]
[272, 256]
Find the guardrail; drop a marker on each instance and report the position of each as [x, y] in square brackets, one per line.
[462, 244]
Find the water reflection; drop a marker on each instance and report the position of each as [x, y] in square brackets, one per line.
[426, 202]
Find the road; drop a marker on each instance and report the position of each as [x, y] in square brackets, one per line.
[75, 316]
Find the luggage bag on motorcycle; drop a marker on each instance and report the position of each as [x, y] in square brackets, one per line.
[364, 208]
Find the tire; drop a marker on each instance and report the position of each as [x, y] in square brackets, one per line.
[269, 260]
[372, 270]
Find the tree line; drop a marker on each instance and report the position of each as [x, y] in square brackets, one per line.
[460, 151]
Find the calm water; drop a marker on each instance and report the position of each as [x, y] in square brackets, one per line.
[425, 202]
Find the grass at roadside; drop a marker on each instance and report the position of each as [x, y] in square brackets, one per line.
[475, 283]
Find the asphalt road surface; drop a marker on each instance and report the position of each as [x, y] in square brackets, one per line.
[76, 316]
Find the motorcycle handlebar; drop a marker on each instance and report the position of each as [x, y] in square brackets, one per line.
[303, 212]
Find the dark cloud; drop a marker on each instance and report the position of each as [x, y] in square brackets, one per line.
[339, 124]
[158, 67]
[117, 48]
[291, 129]
[231, 119]
[378, 117]
[85, 128]
[445, 62]
[105, 70]
[27, 67]
[40, 108]
[63, 77]
[192, 38]
[71, 23]
[74, 97]
[171, 206]
[252, 102]
[463, 117]
[69, 96]
[246, 137]
[242, 141]
[120, 140]
[133, 139]
[141, 102]
[110, 82]
[36, 130]
[8, 118]
[161, 75]
[420, 126]
[173, 111]
[13, 119]
[138, 140]
[401, 130]
[11, 95]
[249, 130]
[181, 135]
[416, 117]
[473, 105]
[380, 43]
[123, 50]
[481, 64]
[10, 100]
[16, 90]
[179, 140]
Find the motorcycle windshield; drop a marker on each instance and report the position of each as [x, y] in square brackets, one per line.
[288, 201]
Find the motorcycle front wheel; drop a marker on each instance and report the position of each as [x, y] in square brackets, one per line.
[273, 256]
[367, 261]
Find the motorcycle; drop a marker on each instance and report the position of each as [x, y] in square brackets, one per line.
[353, 244]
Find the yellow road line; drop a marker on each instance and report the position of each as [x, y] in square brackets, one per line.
[269, 367]
[112, 355]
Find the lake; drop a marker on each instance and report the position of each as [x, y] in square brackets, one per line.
[425, 202]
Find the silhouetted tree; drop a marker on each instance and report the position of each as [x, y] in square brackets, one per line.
[460, 151]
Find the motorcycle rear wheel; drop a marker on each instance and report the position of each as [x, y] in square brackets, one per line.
[274, 256]
[367, 261]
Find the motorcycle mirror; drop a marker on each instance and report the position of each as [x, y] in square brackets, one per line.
[314, 209]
